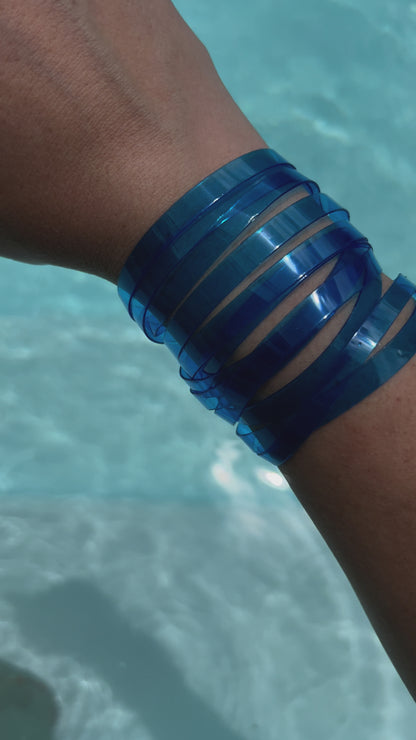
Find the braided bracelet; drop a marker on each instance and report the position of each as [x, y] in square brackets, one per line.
[223, 257]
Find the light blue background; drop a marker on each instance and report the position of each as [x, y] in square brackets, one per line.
[136, 521]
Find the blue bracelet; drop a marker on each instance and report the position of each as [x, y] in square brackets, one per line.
[177, 270]
[236, 384]
[251, 253]
[182, 285]
[188, 210]
[228, 329]
[277, 442]
[345, 387]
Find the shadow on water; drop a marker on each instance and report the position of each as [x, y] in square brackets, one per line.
[28, 710]
[77, 620]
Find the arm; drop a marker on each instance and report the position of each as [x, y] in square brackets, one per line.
[356, 478]
[126, 114]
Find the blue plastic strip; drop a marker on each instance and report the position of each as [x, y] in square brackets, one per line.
[210, 348]
[226, 219]
[291, 398]
[366, 380]
[378, 369]
[166, 288]
[366, 339]
[176, 271]
[188, 209]
[348, 278]
[238, 383]
[268, 291]
[345, 387]
[249, 255]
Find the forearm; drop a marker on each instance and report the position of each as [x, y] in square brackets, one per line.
[356, 477]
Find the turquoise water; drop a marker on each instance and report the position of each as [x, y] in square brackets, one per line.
[162, 581]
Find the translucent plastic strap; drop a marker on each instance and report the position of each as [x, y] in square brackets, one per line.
[205, 276]
[237, 384]
[178, 270]
[287, 424]
[211, 346]
[188, 209]
[250, 255]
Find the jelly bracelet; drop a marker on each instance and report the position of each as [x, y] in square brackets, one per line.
[285, 439]
[250, 254]
[177, 270]
[301, 389]
[231, 404]
[210, 347]
[228, 253]
[357, 362]
[196, 251]
[236, 385]
[189, 209]
[225, 219]
[283, 431]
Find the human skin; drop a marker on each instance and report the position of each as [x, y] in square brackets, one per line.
[109, 112]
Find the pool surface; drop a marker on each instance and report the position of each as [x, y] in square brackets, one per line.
[157, 580]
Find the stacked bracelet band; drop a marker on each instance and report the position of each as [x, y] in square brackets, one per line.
[221, 259]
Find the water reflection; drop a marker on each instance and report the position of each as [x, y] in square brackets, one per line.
[77, 620]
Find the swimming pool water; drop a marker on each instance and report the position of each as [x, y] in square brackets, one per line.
[162, 581]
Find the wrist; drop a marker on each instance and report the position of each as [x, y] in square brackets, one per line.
[149, 180]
